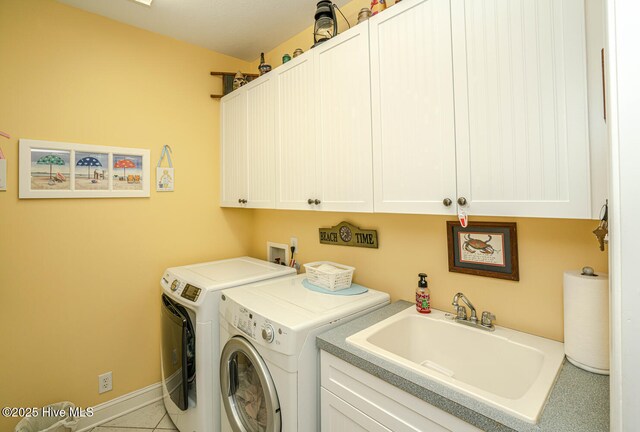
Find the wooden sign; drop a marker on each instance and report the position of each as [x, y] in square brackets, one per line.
[345, 234]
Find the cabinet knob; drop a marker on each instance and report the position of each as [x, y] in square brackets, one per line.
[462, 201]
[239, 200]
[317, 202]
[447, 202]
[310, 201]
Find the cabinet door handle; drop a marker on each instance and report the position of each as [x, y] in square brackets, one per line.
[310, 201]
[239, 200]
[317, 202]
[447, 202]
[462, 201]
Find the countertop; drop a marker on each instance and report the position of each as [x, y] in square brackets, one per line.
[579, 401]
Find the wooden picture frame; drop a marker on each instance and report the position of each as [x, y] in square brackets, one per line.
[50, 169]
[487, 249]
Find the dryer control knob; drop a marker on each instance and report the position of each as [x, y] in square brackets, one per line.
[268, 333]
[174, 285]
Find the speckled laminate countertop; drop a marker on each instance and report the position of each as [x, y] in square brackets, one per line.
[579, 401]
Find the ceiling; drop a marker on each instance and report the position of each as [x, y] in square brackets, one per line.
[239, 28]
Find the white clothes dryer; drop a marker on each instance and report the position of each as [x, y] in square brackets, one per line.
[269, 363]
[190, 344]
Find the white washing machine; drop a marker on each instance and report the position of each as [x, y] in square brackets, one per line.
[269, 362]
[190, 336]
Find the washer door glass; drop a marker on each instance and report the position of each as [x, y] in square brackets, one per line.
[248, 392]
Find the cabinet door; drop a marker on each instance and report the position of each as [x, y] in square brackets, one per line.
[344, 122]
[261, 158]
[521, 107]
[339, 416]
[295, 134]
[233, 150]
[413, 113]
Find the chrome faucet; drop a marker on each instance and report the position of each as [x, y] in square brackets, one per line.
[461, 314]
[461, 296]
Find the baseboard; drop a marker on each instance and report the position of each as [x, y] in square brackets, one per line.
[119, 406]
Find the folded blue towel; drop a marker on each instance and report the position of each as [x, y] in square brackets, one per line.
[354, 289]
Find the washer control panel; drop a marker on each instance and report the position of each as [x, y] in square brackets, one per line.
[180, 288]
[260, 329]
[190, 293]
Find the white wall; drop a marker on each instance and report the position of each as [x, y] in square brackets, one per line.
[624, 128]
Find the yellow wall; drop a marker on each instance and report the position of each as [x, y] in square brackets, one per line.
[79, 279]
[410, 244]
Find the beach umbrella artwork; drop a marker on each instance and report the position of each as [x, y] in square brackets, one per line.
[125, 163]
[50, 160]
[89, 162]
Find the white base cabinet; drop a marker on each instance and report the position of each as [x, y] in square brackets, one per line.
[353, 400]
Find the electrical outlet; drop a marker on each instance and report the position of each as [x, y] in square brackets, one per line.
[105, 382]
[294, 242]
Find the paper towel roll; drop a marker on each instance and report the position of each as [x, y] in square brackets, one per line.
[586, 321]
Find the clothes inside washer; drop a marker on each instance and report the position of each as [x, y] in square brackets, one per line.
[250, 396]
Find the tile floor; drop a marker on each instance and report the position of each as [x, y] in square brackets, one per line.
[149, 418]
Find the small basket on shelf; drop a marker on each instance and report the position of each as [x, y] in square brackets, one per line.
[329, 275]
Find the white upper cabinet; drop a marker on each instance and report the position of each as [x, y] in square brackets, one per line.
[494, 104]
[296, 162]
[323, 134]
[248, 146]
[522, 136]
[261, 136]
[343, 113]
[412, 108]
[233, 150]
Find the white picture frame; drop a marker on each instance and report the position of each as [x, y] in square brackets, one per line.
[70, 161]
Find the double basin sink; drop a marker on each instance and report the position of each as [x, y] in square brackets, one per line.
[511, 371]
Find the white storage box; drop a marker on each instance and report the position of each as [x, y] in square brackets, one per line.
[329, 275]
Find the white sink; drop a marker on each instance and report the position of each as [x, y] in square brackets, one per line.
[507, 369]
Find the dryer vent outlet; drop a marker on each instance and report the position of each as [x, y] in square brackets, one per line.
[278, 253]
[105, 382]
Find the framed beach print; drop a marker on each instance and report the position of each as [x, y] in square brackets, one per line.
[484, 249]
[50, 169]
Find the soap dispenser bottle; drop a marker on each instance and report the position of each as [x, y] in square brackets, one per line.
[423, 295]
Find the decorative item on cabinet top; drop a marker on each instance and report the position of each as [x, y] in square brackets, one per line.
[326, 22]
[346, 234]
[484, 249]
[231, 81]
[263, 67]
[363, 15]
[378, 6]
